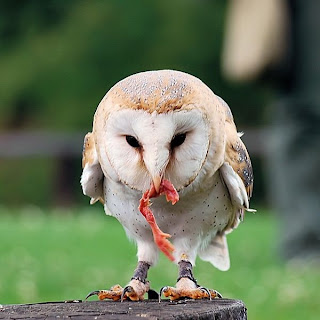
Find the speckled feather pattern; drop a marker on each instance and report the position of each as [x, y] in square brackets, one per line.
[191, 226]
[155, 91]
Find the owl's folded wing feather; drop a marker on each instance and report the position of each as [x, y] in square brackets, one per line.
[92, 176]
[237, 172]
[238, 158]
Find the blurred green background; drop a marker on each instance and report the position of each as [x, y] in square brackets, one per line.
[57, 60]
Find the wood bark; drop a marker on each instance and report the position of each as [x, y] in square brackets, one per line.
[221, 309]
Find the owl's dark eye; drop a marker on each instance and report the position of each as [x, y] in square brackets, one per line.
[178, 140]
[133, 142]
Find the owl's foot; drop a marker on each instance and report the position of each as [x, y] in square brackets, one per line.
[187, 286]
[134, 291]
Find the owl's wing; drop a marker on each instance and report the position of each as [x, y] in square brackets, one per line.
[92, 176]
[237, 173]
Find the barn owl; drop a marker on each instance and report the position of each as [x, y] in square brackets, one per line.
[164, 137]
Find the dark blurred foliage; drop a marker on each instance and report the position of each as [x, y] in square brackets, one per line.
[58, 59]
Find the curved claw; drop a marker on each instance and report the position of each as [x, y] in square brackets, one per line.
[161, 290]
[125, 290]
[92, 293]
[207, 291]
[212, 293]
[218, 294]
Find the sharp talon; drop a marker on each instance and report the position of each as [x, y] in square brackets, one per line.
[125, 290]
[160, 293]
[92, 293]
[207, 291]
[218, 294]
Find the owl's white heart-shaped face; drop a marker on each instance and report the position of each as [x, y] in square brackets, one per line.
[141, 147]
[160, 125]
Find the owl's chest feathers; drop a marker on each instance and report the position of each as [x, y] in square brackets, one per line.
[200, 213]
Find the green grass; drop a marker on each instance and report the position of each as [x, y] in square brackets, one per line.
[61, 255]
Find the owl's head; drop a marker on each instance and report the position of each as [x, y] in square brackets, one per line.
[159, 124]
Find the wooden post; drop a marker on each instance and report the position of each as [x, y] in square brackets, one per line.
[222, 309]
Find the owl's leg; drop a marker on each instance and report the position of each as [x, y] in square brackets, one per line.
[187, 286]
[134, 291]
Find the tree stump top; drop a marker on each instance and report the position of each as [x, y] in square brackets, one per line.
[184, 309]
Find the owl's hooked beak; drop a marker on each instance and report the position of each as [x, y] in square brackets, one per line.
[156, 182]
[156, 163]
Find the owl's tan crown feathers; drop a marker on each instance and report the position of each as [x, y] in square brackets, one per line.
[161, 91]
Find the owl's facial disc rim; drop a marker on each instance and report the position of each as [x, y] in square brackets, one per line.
[155, 164]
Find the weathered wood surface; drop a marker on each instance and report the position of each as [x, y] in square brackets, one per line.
[221, 309]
